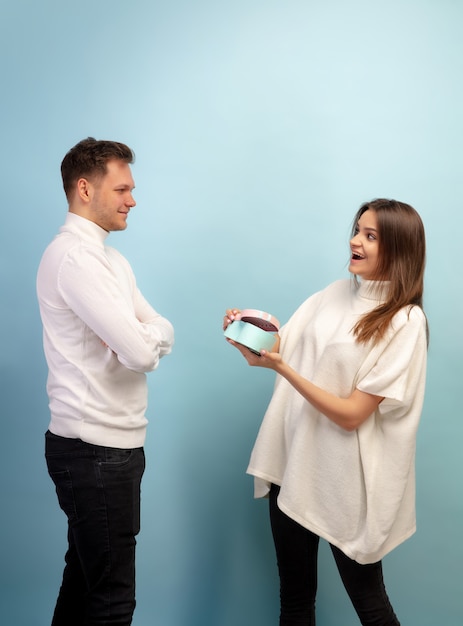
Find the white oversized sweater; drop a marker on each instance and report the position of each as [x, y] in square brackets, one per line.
[355, 489]
[100, 337]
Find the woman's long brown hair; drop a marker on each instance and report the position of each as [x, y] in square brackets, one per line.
[401, 261]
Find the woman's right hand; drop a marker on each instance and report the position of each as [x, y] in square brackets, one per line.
[230, 316]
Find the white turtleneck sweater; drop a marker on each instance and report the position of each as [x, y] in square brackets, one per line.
[100, 337]
[354, 489]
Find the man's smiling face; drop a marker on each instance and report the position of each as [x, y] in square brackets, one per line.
[112, 197]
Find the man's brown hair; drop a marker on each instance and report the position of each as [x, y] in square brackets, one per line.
[88, 159]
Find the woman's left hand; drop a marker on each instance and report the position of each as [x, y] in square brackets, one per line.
[266, 359]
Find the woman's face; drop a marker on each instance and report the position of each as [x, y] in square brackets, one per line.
[364, 246]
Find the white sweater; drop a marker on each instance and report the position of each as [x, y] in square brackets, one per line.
[354, 489]
[100, 337]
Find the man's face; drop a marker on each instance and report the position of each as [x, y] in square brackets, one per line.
[112, 197]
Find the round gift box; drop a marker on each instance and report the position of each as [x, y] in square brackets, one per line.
[255, 330]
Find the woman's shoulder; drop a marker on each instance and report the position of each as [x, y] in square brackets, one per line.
[334, 293]
[338, 288]
[409, 321]
[342, 284]
[341, 288]
[410, 313]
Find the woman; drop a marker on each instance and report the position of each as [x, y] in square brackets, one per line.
[336, 449]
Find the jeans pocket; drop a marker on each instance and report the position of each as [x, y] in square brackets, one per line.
[116, 456]
[65, 493]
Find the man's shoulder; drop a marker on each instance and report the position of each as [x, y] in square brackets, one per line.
[113, 253]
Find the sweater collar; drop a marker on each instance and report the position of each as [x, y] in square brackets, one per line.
[373, 290]
[84, 228]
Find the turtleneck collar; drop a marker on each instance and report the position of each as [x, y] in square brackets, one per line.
[373, 289]
[85, 228]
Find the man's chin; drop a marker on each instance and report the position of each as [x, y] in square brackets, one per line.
[118, 227]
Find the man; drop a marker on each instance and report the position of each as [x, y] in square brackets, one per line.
[100, 338]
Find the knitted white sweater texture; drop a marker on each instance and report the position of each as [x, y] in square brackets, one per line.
[100, 338]
[354, 489]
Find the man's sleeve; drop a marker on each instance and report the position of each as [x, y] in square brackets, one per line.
[101, 294]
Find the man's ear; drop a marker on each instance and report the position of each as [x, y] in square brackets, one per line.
[84, 190]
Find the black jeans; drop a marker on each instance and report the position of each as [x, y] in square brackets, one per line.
[98, 489]
[296, 550]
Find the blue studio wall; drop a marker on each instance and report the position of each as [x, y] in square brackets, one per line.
[259, 127]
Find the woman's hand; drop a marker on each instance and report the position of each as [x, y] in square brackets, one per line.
[348, 413]
[230, 316]
[267, 359]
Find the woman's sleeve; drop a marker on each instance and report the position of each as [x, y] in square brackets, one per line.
[398, 373]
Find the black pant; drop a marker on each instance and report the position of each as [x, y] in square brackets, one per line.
[98, 489]
[296, 550]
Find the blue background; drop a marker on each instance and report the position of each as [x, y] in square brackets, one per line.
[259, 127]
